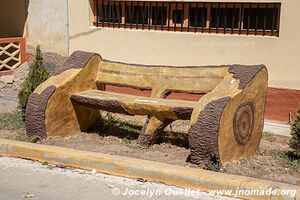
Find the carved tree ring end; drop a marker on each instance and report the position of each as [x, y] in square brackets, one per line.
[243, 122]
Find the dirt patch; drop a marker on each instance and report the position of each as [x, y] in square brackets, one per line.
[120, 138]
[19, 134]
[166, 153]
[270, 162]
[265, 164]
[117, 135]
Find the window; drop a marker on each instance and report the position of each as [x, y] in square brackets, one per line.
[209, 17]
[178, 16]
[159, 15]
[224, 17]
[136, 14]
[110, 13]
[197, 17]
[260, 18]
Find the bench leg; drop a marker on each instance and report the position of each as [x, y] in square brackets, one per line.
[151, 130]
[85, 117]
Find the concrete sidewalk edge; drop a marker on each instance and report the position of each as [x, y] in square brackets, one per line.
[149, 170]
[277, 128]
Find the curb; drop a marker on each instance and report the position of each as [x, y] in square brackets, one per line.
[149, 170]
[277, 128]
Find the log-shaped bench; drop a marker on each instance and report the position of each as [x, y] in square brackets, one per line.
[226, 123]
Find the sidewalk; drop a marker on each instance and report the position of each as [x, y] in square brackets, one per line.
[277, 128]
[24, 179]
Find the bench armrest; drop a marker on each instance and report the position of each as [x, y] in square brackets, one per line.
[227, 123]
[49, 108]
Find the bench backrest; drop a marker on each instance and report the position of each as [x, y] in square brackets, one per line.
[160, 79]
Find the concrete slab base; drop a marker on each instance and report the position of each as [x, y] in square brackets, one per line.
[277, 128]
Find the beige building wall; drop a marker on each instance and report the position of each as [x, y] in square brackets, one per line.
[12, 18]
[47, 25]
[279, 54]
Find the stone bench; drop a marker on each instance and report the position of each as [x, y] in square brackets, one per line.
[225, 124]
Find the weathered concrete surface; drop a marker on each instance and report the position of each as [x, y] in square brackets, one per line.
[44, 182]
[277, 128]
[135, 168]
[47, 25]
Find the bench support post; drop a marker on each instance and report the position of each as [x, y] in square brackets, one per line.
[151, 130]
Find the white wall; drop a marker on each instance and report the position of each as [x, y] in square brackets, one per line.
[47, 25]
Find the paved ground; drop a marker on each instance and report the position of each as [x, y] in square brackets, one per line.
[24, 179]
[278, 128]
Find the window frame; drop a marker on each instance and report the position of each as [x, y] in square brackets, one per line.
[185, 26]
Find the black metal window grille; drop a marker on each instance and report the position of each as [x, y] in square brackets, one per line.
[159, 15]
[178, 16]
[110, 13]
[261, 18]
[224, 18]
[136, 15]
[197, 17]
[209, 17]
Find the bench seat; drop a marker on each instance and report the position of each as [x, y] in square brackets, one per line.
[226, 123]
[134, 105]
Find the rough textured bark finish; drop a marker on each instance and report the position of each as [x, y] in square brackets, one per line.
[183, 113]
[122, 85]
[111, 105]
[203, 135]
[244, 73]
[35, 112]
[78, 59]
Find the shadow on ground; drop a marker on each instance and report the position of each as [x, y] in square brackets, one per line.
[108, 126]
